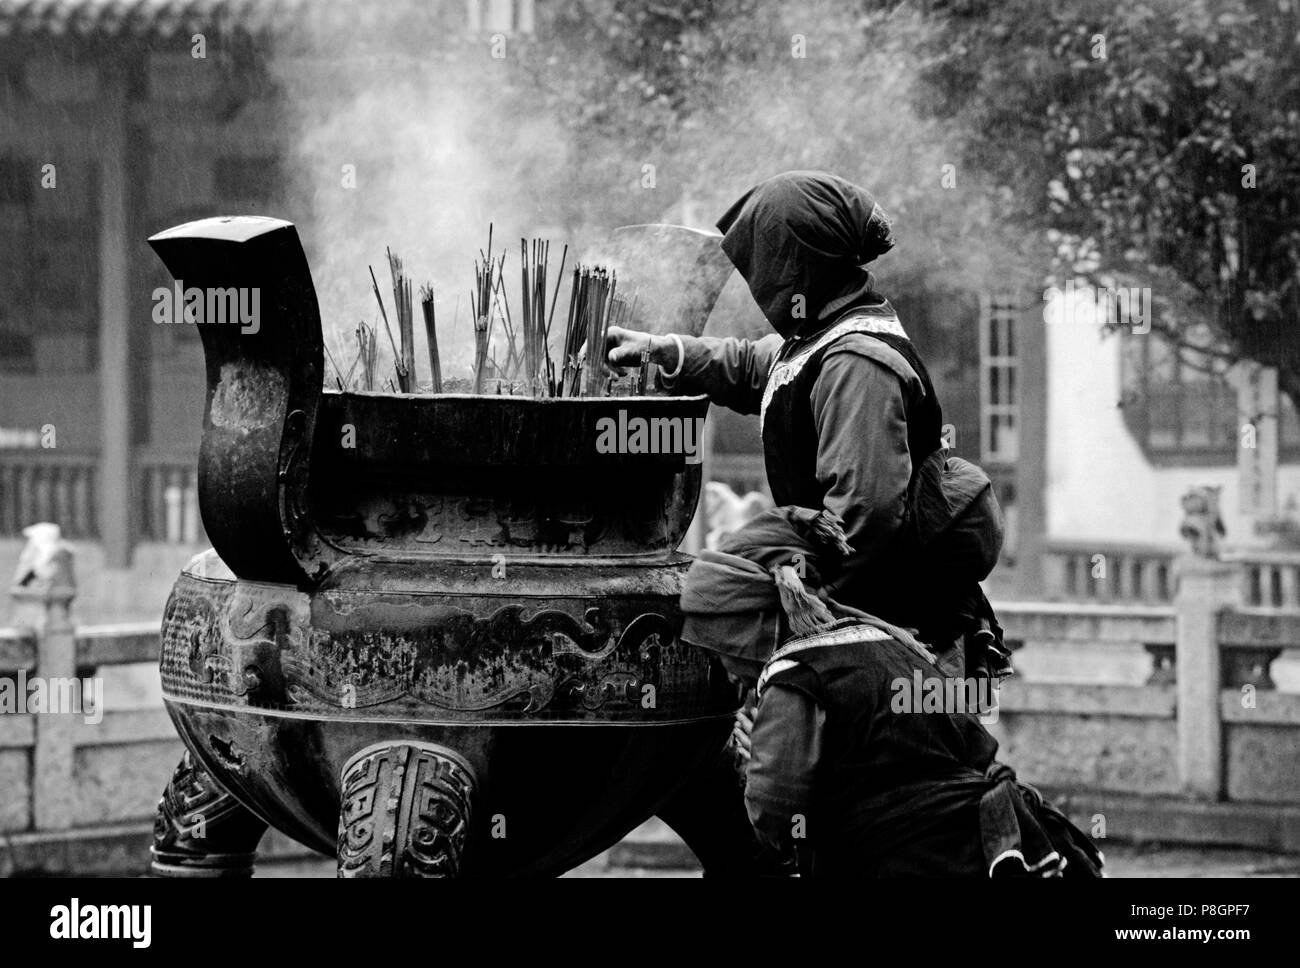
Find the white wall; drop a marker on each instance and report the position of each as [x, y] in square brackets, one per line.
[1100, 486]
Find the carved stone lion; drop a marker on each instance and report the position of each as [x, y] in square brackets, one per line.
[45, 566]
[1202, 524]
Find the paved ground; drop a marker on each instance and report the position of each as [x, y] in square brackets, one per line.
[1122, 861]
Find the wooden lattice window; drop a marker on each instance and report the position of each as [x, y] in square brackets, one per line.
[1180, 405]
[500, 16]
[999, 385]
[49, 267]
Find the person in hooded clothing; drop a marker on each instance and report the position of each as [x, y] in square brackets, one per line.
[850, 424]
[849, 417]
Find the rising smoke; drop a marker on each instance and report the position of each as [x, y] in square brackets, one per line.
[554, 138]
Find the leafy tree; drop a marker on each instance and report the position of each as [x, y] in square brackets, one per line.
[1156, 143]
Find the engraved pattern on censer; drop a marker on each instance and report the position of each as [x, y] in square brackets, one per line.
[199, 826]
[379, 521]
[405, 812]
[253, 644]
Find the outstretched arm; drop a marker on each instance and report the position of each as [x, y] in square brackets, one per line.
[731, 371]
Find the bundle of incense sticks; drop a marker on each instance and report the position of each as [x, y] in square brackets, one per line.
[367, 355]
[574, 329]
[405, 325]
[431, 335]
[533, 315]
[481, 304]
[594, 306]
[538, 371]
[501, 302]
[604, 285]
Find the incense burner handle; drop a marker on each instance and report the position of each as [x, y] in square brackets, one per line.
[245, 283]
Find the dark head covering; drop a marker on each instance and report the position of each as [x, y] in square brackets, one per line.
[731, 600]
[804, 233]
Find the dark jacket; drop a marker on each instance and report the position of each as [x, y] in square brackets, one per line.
[848, 416]
[859, 776]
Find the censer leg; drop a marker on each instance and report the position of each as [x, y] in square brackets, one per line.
[200, 830]
[405, 811]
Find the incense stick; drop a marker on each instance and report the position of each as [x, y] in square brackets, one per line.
[338, 374]
[481, 308]
[367, 353]
[397, 358]
[431, 335]
[405, 324]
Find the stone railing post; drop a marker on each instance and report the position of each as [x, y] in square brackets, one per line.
[42, 591]
[1206, 586]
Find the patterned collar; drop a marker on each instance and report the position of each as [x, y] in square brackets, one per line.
[843, 632]
[785, 370]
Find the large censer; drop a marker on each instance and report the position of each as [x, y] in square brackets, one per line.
[437, 634]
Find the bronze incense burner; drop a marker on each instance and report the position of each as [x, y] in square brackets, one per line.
[437, 633]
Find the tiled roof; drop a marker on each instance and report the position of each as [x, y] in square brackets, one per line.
[160, 18]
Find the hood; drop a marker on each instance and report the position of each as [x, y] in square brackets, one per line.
[800, 240]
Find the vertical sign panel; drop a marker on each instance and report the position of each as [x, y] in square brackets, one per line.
[1257, 413]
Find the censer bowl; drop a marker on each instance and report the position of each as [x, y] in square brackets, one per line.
[437, 635]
